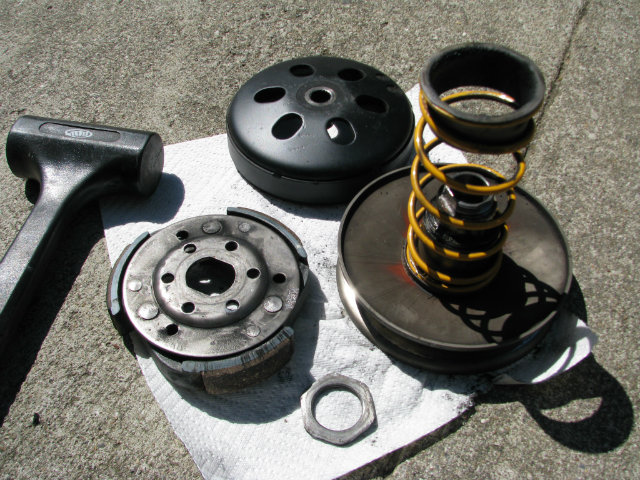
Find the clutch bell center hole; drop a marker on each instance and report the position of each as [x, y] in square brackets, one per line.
[320, 96]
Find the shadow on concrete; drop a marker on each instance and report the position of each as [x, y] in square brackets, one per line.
[84, 232]
[595, 431]
[599, 431]
[386, 464]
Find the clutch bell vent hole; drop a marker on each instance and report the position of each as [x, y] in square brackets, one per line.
[340, 131]
[287, 126]
[301, 70]
[269, 95]
[350, 74]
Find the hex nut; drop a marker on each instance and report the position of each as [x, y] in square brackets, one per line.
[338, 437]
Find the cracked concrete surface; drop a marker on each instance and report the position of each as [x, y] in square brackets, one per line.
[172, 67]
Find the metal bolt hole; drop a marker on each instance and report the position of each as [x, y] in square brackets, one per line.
[182, 235]
[231, 246]
[167, 278]
[189, 248]
[232, 305]
[253, 273]
[171, 329]
[279, 278]
[188, 307]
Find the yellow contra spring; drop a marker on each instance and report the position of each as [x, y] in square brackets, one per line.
[418, 266]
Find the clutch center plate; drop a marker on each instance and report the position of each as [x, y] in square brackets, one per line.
[213, 286]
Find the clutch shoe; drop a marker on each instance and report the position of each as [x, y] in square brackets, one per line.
[212, 296]
[317, 129]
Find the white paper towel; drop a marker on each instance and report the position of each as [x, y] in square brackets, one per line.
[258, 433]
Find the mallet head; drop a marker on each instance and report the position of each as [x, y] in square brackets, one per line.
[107, 159]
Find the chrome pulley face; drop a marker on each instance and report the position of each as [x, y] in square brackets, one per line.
[212, 294]
[475, 332]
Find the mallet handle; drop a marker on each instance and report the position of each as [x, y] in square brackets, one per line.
[74, 164]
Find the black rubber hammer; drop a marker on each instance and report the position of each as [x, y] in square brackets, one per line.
[74, 163]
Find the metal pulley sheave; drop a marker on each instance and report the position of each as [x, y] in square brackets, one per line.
[213, 297]
[454, 268]
[317, 129]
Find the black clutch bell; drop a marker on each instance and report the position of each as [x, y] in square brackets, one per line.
[317, 129]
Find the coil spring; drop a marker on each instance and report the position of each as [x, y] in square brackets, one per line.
[441, 280]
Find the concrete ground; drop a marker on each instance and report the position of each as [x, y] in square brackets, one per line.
[173, 67]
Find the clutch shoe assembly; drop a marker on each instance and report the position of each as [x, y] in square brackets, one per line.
[317, 129]
[440, 280]
[213, 297]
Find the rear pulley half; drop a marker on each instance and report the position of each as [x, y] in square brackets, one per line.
[452, 267]
[213, 297]
[449, 333]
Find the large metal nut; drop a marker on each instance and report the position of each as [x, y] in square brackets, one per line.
[337, 437]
